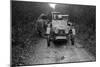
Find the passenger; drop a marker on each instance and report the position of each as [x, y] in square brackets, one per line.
[42, 24]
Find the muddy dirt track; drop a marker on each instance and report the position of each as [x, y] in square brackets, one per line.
[58, 53]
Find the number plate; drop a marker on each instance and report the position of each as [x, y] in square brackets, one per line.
[61, 37]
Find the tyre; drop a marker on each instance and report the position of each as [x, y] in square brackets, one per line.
[72, 41]
[48, 41]
[40, 34]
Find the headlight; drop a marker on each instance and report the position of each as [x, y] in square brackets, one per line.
[55, 30]
[66, 31]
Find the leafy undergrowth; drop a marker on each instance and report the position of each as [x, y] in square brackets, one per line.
[87, 37]
[89, 45]
[24, 51]
[24, 40]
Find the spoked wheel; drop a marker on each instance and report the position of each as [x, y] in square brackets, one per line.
[72, 41]
[48, 41]
[68, 41]
[39, 33]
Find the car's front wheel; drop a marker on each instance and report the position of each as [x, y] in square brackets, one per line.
[72, 40]
[48, 41]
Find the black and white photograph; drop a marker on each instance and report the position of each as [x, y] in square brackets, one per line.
[44, 33]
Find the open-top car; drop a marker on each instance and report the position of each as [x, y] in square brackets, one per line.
[60, 29]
